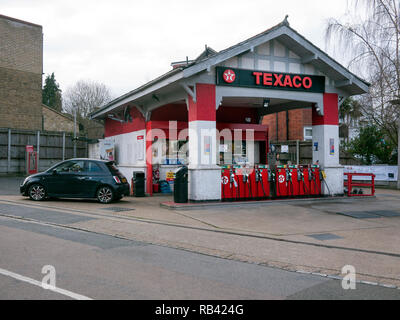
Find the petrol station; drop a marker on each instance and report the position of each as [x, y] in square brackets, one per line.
[206, 114]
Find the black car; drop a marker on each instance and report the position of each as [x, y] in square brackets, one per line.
[78, 178]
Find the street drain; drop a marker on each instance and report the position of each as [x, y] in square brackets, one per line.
[360, 214]
[324, 236]
[117, 209]
[386, 213]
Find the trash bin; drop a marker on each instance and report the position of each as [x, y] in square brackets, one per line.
[138, 184]
[181, 185]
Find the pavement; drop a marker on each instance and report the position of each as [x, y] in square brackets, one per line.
[317, 237]
[89, 265]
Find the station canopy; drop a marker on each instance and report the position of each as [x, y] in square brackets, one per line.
[175, 85]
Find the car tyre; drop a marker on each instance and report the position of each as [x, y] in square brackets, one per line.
[105, 194]
[37, 192]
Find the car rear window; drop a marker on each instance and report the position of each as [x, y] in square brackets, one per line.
[113, 169]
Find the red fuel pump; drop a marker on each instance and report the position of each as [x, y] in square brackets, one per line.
[226, 191]
[293, 183]
[247, 183]
[262, 182]
[261, 177]
[235, 183]
[265, 185]
[272, 182]
[239, 173]
[253, 183]
[302, 179]
[281, 183]
[315, 187]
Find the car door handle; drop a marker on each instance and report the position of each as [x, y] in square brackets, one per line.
[82, 178]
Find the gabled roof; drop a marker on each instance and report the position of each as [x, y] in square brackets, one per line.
[282, 32]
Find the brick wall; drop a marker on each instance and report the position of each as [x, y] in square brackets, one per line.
[21, 65]
[21, 45]
[298, 119]
[55, 121]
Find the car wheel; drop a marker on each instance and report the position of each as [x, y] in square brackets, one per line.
[105, 194]
[37, 192]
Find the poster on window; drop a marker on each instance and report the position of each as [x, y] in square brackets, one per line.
[107, 150]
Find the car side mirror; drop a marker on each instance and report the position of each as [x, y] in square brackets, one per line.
[54, 171]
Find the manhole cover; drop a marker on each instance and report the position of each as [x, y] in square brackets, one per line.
[324, 236]
[386, 213]
[359, 214]
[117, 209]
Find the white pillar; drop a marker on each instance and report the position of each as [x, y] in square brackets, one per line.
[326, 145]
[204, 174]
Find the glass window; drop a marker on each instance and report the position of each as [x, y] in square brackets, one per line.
[307, 133]
[71, 166]
[93, 167]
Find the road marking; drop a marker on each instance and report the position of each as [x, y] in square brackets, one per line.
[67, 293]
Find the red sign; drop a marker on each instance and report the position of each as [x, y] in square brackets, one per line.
[269, 80]
[281, 80]
[140, 137]
[229, 76]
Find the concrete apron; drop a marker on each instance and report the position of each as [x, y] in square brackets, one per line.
[218, 204]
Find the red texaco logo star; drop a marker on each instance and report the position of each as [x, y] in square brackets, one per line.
[229, 76]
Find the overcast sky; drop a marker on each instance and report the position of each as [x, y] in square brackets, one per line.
[125, 43]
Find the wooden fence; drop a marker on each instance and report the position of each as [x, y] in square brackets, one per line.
[52, 147]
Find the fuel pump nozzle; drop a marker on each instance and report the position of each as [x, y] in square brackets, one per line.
[305, 189]
[322, 178]
[232, 179]
[246, 180]
[259, 179]
[289, 180]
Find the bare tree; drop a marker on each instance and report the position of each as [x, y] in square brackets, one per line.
[85, 97]
[371, 37]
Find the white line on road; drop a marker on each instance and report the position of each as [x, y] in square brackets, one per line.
[39, 284]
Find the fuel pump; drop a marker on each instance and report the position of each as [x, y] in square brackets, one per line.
[226, 191]
[295, 180]
[247, 185]
[317, 181]
[310, 181]
[234, 185]
[282, 184]
[289, 183]
[302, 180]
[261, 194]
[272, 182]
[315, 185]
[264, 181]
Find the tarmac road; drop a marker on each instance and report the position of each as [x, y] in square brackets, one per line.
[99, 266]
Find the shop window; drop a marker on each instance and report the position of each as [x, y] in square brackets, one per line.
[174, 152]
[240, 152]
[308, 133]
